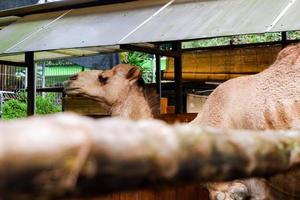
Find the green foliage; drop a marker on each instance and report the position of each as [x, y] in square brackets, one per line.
[46, 105]
[240, 39]
[141, 60]
[256, 38]
[135, 58]
[294, 35]
[207, 42]
[17, 108]
[14, 109]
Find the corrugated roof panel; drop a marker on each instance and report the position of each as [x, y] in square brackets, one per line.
[24, 28]
[209, 19]
[85, 27]
[145, 21]
[290, 20]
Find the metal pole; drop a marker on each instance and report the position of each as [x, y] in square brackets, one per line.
[31, 83]
[158, 74]
[1, 104]
[158, 77]
[176, 46]
[284, 39]
[43, 78]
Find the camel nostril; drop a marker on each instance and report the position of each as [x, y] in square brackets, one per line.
[74, 77]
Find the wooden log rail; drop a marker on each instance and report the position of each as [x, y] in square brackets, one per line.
[67, 154]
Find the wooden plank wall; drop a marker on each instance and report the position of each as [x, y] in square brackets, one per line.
[221, 65]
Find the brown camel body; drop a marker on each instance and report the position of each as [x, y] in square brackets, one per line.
[268, 100]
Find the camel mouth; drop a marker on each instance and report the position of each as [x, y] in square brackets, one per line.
[70, 88]
[72, 91]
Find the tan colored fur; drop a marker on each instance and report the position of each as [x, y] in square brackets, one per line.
[116, 89]
[268, 100]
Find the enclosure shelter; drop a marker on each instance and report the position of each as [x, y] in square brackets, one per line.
[80, 28]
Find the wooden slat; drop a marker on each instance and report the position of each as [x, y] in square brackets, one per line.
[224, 64]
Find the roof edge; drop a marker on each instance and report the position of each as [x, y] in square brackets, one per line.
[56, 6]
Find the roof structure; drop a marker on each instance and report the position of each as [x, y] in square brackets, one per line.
[84, 31]
[8, 4]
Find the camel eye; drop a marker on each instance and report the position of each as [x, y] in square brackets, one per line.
[102, 79]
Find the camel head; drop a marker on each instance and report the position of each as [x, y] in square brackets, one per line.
[107, 87]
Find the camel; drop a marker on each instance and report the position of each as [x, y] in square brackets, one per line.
[267, 100]
[120, 90]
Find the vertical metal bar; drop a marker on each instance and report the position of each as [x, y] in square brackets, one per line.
[158, 76]
[31, 83]
[1, 104]
[176, 46]
[43, 78]
[284, 39]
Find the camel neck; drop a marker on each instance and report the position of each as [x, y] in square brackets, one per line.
[134, 107]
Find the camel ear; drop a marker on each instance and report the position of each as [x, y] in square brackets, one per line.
[134, 74]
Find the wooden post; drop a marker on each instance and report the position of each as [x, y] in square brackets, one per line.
[31, 83]
[176, 46]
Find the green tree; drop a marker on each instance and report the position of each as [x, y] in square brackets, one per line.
[142, 60]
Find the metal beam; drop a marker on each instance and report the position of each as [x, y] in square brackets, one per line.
[158, 74]
[158, 77]
[19, 64]
[284, 39]
[179, 108]
[149, 50]
[51, 89]
[31, 83]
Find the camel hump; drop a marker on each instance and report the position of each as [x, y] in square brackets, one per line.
[282, 114]
[289, 55]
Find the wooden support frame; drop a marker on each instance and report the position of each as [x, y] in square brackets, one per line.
[31, 83]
